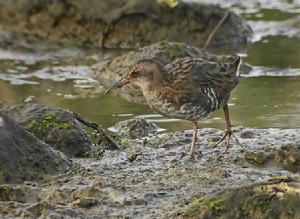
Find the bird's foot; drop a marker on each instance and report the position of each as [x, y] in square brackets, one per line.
[226, 137]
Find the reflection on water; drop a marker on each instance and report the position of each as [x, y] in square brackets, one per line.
[265, 98]
[257, 102]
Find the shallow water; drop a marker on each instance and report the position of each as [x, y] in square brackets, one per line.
[268, 97]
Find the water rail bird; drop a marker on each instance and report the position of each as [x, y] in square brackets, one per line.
[188, 88]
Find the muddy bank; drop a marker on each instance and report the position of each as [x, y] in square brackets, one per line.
[24, 157]
[111, 70]
[150, 179]
[128, 24]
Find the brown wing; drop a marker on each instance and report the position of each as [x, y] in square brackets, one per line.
[193, 73]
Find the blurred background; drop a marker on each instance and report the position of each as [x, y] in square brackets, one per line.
[57, 73]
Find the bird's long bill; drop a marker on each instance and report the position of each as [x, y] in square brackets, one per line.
[120, 83]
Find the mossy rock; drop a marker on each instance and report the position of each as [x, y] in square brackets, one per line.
[54, 126]
[48, 123]
[122, 142]
[278, 199]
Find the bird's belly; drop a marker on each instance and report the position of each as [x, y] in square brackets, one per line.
[189, 110]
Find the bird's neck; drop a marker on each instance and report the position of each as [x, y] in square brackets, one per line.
[154, 80]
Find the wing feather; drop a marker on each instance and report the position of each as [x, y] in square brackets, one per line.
[194, 73]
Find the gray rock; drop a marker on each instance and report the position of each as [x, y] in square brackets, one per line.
[54, 126]
[129, 23]
[24, 157]
[136, 128]
[109, 71]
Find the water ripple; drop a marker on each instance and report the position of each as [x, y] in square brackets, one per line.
[265, 71]
[79, 74]
[274, 28]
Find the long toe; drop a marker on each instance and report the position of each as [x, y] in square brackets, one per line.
[226, 136]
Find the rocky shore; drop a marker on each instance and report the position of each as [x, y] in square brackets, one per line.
[147, 176]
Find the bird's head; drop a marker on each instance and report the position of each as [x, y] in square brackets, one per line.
[140, 72]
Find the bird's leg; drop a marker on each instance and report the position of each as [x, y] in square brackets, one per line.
[228, 131]
[193, 147]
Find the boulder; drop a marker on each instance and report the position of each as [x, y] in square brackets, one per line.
[129, 23]
[24, 157]
[55, 126]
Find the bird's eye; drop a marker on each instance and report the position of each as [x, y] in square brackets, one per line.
[134, 74]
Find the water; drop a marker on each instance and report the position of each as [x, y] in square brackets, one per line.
[268, 97]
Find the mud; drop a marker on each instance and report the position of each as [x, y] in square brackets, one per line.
[151, 180]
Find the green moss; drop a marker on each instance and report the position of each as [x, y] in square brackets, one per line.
[194, 204]
[122, 142]
[216, 205]
[177, 50]
[168, 3]
[163, 42]
[49, 122]
[174, 50]
[260, 201]
[204, 206]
